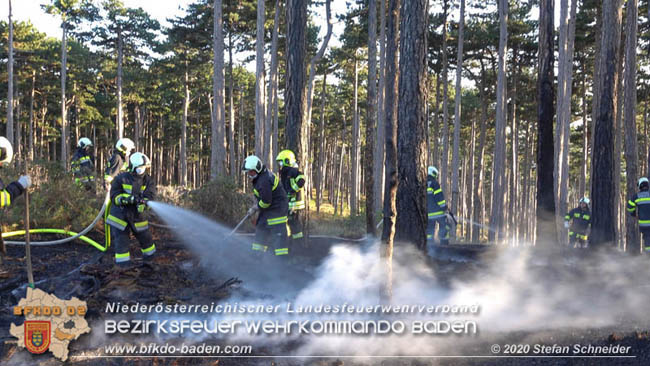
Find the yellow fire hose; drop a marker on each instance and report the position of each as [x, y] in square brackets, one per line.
[54, 231]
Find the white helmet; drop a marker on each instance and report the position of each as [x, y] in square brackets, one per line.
[6, 151]
[139, 163]
[253, 163]
[432, 171]
[584, 200]
[125, 145]
[643, 181]
[83, 142]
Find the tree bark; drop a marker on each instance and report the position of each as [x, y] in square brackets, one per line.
[457, 114]
[261, 148]
[186, 105]
[498, 191]
[273, 83]
[231, 111]
[411, 144]
[631, 151]
[30, 141]
[120, 59]
[218, 143]
[321, 147]
[546, 228]
[390, 109]
[477, 216]
[371, 117]
[380, 141]
[444, 159]
[64, 117]
[603, 227]
[354, 199]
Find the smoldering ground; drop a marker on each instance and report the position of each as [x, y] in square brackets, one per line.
[522, 289]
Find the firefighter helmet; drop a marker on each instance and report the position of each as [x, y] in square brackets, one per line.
[139, 163]
[125, 145]
[6, 151]
[84, 142]
[584, 200]
[286, 158]
[643, 182]
[432, 171]
[252, 164]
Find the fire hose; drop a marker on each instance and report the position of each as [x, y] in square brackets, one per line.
[81, 235]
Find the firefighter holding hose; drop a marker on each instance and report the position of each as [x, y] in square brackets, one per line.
[272, 204]
[130, 193]
[11, 191]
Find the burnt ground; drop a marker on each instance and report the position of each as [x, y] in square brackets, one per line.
[176, 276]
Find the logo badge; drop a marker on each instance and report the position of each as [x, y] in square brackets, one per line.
[37, 335]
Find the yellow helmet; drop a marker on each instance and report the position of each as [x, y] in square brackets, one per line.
[286, 158]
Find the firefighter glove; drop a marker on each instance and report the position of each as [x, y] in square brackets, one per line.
[25, 181]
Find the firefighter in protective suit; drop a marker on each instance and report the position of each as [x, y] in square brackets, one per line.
[130, 193]
[118, 163]
[436, 208]
[293, 182]
[272, 205]
[581, 225]
[12, 190]
[639, 207]
[82, 164]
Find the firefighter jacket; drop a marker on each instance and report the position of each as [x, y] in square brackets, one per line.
[82, 166]
[271, 198]
[9, 193]
[116, 164]
[436, 204]
[130, 184]
[293, 182]
[581, 220]
[639, 206]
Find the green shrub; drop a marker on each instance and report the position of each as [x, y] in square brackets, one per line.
[222, 200]
[55, 200]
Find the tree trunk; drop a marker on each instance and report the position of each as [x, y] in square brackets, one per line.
[186, 105]
[354, 206]
[457, 114]
[585, 139]
[261, 148]
[477, 216]
[390, 110]
[546, 228]
[10, 81]
[381, 139]
[498, 169]
[412, 155]
[231, 111]
[321, 147]
[444, 159]
[631, 150]
[618, 147]
[120, 59]
[603, 232]
[371, 116]
[295, 95]
[30, 141]
[273, 84]
[595, 104]
[218, 144]
[64, 117]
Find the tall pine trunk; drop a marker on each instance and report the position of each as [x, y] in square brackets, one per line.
[444, 159]
[218, 143]
[261, 146]
[380, 141]
[10, 81]
[371, 116]
[457, 114]
[64, 117]
[273, 84]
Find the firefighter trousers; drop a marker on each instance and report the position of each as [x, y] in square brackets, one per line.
[121, 240]
[443, 229]
[271, 236]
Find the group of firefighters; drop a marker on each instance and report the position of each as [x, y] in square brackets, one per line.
[278, 200]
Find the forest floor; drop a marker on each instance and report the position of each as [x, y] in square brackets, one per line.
[178, 277]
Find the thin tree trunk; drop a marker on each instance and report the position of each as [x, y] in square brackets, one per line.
[585, 139]
[10, 80]
[120, 58]
[273, 85]
[631, 150]
[371, 116]
[218, 146]
[183, 147]
[498, 192]
[618, 146]
[354, 207]
[261, 148]
[381, 139]
[477, 216]
[64, 117]
[445, 100]
[30, 143]
[595, 104]
[390, 193]
[321, 147]
[457, 114]
[231, 111]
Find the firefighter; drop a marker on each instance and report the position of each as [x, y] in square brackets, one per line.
[272, 204]
[436, 208]
[581, 225]
[14, 189]
[118, 163]
[119, 160]
[639, 207]
[130, 193]
[293, 182]
[83, 164]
